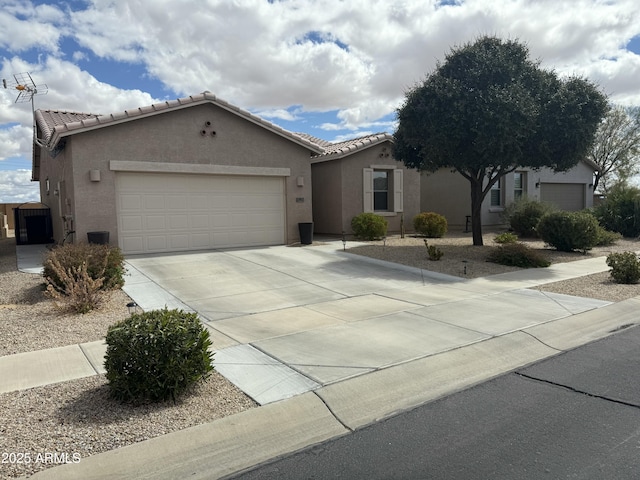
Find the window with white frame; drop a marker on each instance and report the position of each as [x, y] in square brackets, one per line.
[519, 185]
[496, 193]
[382, 189]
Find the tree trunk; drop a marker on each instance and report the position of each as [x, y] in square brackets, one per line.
[476, 212]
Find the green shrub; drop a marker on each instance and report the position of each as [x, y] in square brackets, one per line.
[523, 216]
[369, 226]
[620, 211]
[430, 224]
[434, 252]
[568, 231]
[625, 267]
[517, 255]
[102, 261]
[506, 237]
[156, 355]
[607, 238]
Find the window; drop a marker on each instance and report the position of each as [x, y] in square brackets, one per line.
[518, 185]
[382, 187]
[496, 193]
[381, 190]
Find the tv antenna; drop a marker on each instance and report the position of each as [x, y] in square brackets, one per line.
[27, 88]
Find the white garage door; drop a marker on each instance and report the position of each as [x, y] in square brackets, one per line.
[565, 196]
[160, 212]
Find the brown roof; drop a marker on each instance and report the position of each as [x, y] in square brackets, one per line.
[56, 125]
[342, 149]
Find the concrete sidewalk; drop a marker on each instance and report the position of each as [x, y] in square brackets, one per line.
[327, 342]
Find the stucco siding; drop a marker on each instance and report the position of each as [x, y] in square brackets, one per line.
[180, 137]
[347, 182]
[327, 197]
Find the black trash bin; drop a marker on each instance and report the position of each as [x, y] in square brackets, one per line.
[101, 238]
[306, 233]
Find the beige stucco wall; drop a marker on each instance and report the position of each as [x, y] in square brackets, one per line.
[174, 137]
[343, 178]
[449, 193]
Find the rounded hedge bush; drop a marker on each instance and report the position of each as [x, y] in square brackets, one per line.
[369, 226]
[523, 216]
[430, 224]
[568, 231]
[156, 355]
[625, 267]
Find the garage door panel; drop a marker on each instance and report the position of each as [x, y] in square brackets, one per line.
[176, 212]
[199, 221]
[132, 223]
[565, 196]
[156, 243]
[130, 202]
[176, 202]
[153, 202]
[179, 242]
[154, 222]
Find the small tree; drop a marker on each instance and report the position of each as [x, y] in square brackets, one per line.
[616, 147]
[489, 109]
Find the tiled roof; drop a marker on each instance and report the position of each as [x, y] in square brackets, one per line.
[342, 149]
[48, 120]
[316, 140]
[55, 124]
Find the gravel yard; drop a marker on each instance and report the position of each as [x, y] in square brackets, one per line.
[78, 417]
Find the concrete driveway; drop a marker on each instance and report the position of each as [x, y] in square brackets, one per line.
[286, 320]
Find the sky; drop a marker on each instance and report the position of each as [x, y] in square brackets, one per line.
[335, 69]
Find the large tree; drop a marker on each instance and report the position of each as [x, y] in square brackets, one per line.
[616, 149]
[489, 109]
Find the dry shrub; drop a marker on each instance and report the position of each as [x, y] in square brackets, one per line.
[79, 291]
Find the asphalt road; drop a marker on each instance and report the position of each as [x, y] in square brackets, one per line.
[576, 415]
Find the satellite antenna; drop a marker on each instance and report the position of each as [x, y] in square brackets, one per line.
[27, 88]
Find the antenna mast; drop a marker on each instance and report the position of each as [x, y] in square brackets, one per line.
[27, 89]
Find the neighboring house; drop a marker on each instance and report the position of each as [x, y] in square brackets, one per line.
[449, 193]
[200, 173]
[194, 173]
[361, 175]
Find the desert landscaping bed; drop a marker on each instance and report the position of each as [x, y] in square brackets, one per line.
[78, 417]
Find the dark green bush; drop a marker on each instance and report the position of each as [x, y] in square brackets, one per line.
[369, 226]
[102, 261]
[620, 211]
[568, 231]
[625, 267]
[506, 237]
[430, 224]
[517, 255]
[156, 355]
[607, 238]
[523, 216]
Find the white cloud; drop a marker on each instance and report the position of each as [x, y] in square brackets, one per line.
[358, 62]
[16, 187]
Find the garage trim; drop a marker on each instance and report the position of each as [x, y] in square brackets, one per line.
[165, 167]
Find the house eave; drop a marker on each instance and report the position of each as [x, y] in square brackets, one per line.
[89, 124]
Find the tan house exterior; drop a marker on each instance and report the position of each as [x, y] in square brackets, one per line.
[449, 193]
[194, 173]
[361, 175]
